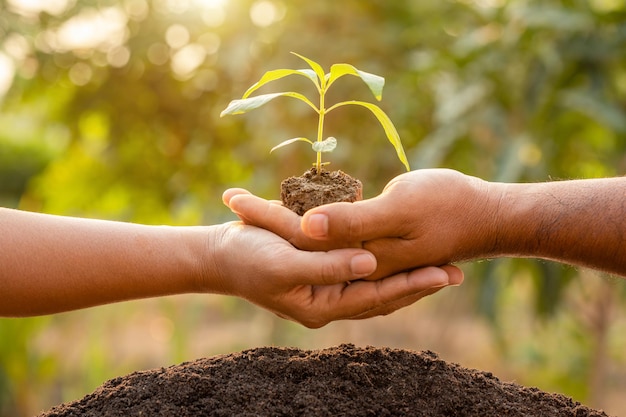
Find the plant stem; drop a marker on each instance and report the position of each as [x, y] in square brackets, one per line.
[320, 130]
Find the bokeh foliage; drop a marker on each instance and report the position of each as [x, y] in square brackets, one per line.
[113, 111]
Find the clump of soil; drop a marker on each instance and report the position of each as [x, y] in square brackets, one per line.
[339, 381]
[311, 190]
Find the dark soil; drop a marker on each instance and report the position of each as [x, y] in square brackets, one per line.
[311, 190]
[340, 381]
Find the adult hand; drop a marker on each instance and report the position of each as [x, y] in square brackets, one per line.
[439, 216]
[420, 219]
[424, 217]
[312, 288]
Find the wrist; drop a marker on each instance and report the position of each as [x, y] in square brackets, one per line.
[208, 248]
[179, 256]
[480, 225]
[512, 225]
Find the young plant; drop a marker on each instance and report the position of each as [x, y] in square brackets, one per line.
[322, 83]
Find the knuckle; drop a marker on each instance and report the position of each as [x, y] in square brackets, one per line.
[355, 227]
[328, 272]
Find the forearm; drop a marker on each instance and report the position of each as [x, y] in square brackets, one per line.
[580, 222]
[50, 264]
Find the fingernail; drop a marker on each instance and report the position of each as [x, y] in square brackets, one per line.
[232, 205]
[318, 226]
[363, 264]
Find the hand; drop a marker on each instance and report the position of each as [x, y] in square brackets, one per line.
[424, 217]
[313, 288]
[420, 219]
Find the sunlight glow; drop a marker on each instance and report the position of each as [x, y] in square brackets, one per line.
[213, 11]
[182, 6]
[187, 60]
[103, 29]
[34, 7]
[210, 4]
[177, 36]
[136, 9]
[7, 71]
[264, 13]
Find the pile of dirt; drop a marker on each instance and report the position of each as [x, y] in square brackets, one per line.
[339, 381]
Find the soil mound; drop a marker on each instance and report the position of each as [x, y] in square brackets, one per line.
[339, 381]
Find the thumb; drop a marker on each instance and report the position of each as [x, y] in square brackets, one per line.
[358, 221]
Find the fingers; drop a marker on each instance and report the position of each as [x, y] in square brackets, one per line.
[231, 192]
[363, 299]
[455, 278]
[397, 305]
[339, 222]
[259, 212]
[455, 274]
[329, 268]
[359, 221]
[272, 216]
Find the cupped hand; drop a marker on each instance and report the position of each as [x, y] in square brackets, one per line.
[422, 218]
[272, 215]
[317, 287]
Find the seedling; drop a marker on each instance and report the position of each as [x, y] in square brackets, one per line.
[322, 83]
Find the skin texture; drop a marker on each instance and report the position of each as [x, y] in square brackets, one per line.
[50, 264]
[440, 216]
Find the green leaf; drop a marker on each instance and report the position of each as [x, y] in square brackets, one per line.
[385, 121]
[373, 81]
[251, 103]
[278, 74]
[319, 71]
[327, 145]
[289, 141]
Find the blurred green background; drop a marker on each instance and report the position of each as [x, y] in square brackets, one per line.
[110, 109]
